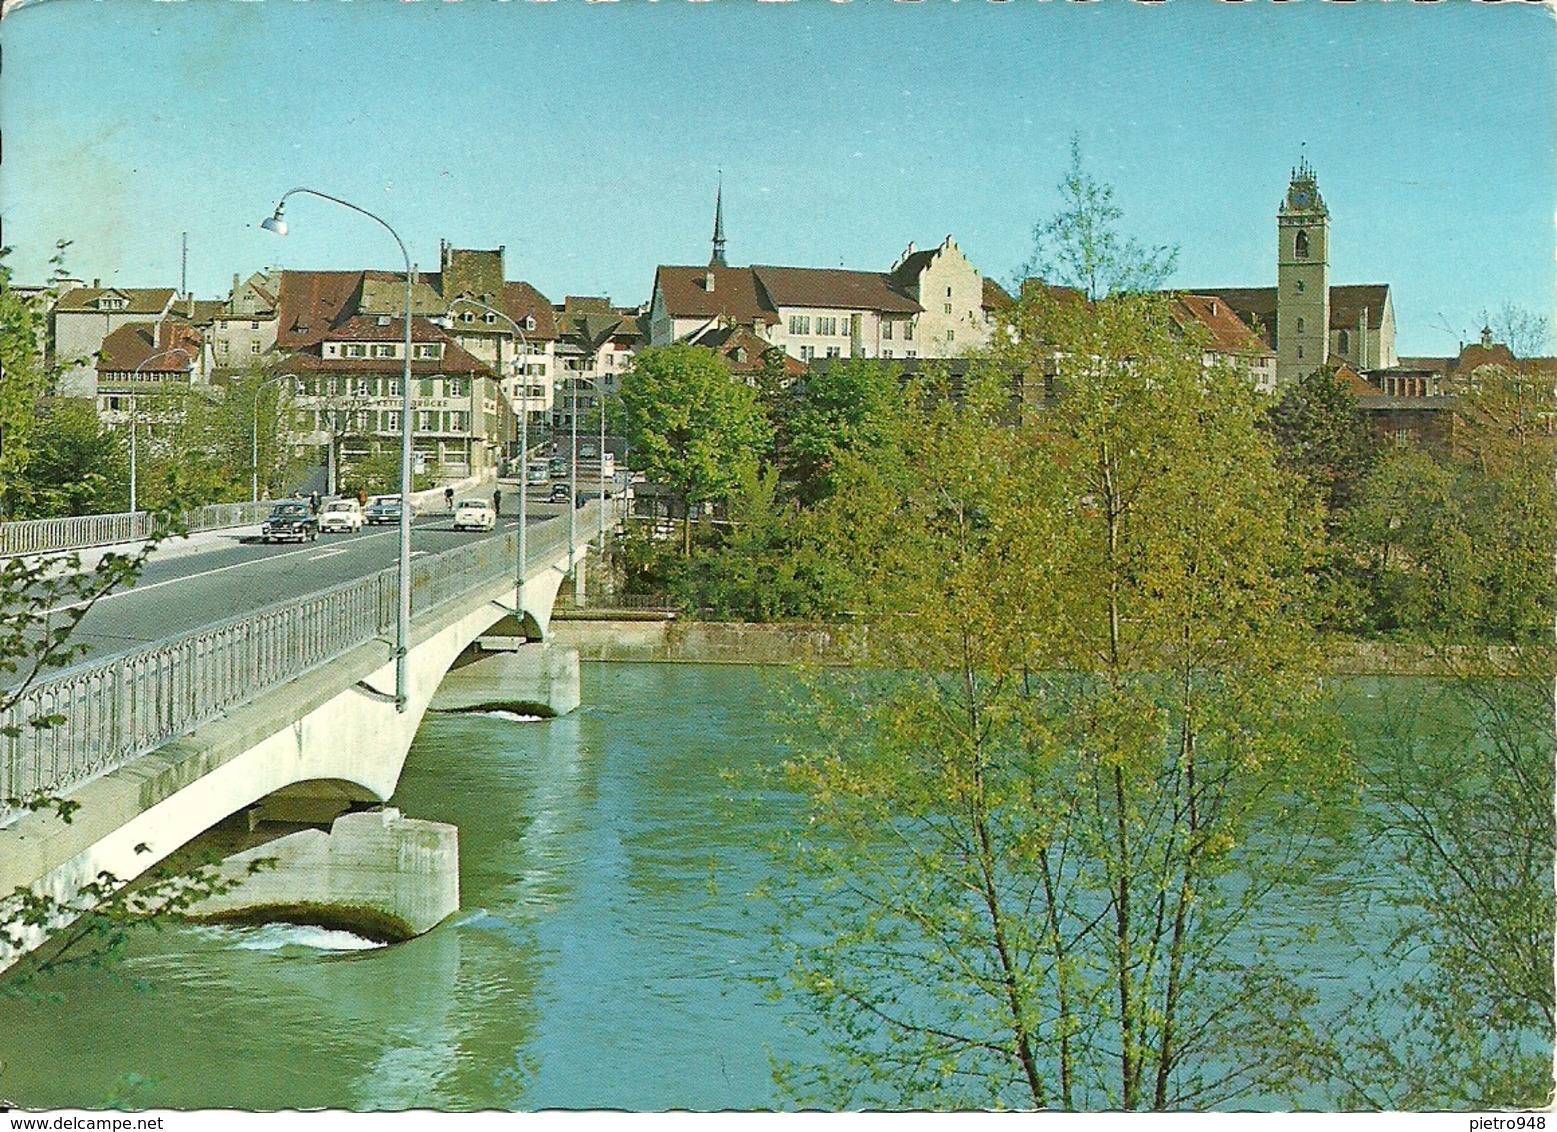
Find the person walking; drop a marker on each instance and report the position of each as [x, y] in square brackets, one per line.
[497, 503]
[362, 497]
[448, 498]
[313, 502]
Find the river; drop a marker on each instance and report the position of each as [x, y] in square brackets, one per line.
[608, 953]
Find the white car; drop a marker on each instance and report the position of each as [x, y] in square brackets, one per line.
[341, 515]
[474, 515]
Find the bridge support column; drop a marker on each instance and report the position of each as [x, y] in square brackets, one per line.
[511, 674]
[377, 874]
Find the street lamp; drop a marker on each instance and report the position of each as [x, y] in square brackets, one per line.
[274, 223]
[134, 377]
[254, 441]
[524, 454]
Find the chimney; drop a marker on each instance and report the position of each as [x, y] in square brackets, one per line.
[1486, 336]
[708, 282]
[96, 283]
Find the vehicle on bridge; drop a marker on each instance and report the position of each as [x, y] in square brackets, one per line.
[290, 520]
[559, 493]
[540, 472]
[474, 515]
[382, 509]
[341, 515]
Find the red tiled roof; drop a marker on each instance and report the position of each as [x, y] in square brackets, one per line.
[1355, 383]
[141, 300]
[736, 295]
[833, 287]
[311, 302]
[996, 297]
[1229, 334]
[130, 347]
[728, 340]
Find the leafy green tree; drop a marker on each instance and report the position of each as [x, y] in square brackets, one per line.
[78, 465]
[853, 406]
[1321, 436]
[1055, 821]
[22, 385]
[689, 425]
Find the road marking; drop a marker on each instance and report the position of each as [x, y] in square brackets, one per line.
[331, 553]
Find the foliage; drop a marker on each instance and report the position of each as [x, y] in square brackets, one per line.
[378, 473]
[1057, 826]
[78, 466]
[851, 407]
[689, 425]
[1322, 437]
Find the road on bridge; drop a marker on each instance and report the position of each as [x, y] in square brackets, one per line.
[180, 594]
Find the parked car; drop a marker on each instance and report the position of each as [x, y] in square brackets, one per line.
[474, 515]
[559, 493]
[290, 520]
[341, 515]
[558, 466]
[382, 509]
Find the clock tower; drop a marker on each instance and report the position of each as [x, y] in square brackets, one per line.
[1302, 278]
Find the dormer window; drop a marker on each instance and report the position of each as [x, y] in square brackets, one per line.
[491, 318]
[468, 316]
[430, 350]
[354, 350]
[112, 303]
[383, 320]
[529, 322]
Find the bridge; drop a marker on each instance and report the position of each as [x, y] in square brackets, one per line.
[283, 709]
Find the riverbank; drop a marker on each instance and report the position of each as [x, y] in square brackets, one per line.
[677, 641]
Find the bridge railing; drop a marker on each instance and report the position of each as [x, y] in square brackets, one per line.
[111, 711]
[78, 532]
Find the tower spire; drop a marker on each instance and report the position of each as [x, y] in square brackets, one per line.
[717, 259]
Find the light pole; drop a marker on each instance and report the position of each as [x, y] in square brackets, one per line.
[134, 377]
[254, 440]
[274, 223]
[524, 455]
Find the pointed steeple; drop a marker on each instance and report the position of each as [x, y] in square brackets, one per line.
[717, 260]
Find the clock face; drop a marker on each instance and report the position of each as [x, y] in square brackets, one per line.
[1301, 199]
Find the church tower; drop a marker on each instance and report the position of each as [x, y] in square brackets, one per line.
[717, 259]
[1302, 278]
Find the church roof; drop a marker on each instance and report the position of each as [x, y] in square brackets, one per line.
[735, 293]
[1257, 305]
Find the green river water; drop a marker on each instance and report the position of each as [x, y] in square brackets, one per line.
[606, 955]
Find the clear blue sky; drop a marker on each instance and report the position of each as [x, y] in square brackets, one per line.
[586, 137]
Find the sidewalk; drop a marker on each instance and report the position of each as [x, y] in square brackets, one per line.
[178, 546]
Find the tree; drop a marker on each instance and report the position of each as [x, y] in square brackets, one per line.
[22, 384]
[1321, 436]
[1092, 752]
[851, 407]
[78, 466]
[689, 425]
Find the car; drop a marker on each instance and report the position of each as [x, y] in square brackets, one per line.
[474, 515]
[558, 466]
[382, 509]
[341, 515]
[290, 520]
[559, 493]
[539, 473]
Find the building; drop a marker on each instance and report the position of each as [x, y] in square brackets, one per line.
[1305, 319]
[243, 331]
[930, 304]
[596, 344]
[336, 335]
[84, 316]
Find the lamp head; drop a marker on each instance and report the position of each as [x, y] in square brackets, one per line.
[274, 223]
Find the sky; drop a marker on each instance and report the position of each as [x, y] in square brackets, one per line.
[588, 138]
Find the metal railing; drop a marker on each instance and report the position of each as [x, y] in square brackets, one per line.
[114, 710]
[78, 532]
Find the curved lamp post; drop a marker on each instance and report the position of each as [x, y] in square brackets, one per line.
[274, 223]
[254, 439]
[524, 454]
[133, 378]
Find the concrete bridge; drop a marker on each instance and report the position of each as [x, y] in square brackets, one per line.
[285, 715]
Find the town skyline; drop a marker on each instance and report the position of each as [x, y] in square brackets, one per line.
[959, 123]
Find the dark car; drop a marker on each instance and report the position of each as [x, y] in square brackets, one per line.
[383, 509]
[559, 493]
[290, 520]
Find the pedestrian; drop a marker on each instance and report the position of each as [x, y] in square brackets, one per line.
[448, 498]
[497, 503]
[313, 502]
[362, 497]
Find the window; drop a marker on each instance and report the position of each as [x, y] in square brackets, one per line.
[1300, 245]
[468, 316]
[834, 351]
[950, 334]
[221, 348]
[740, 355]
[491, 318]
[383, 350]
[390, 421]
[430, 350]
[252, 325]
[1300, 326]
[1402, 437]
[886, 353]
[392, 387]
[427, 421]
[826, 325]
[1300, 351]
[911, 353]
[886, 328]
[1343, 342]
[948, 292]
[1301, 286]
[254, 347]
[908, 332]
[807, 353]
[364, 389]
[799, 324]
[456, 387]
[354, 350]
[948, 308]
[529, 322]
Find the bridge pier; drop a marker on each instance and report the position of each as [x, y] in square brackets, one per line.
[509, 673]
